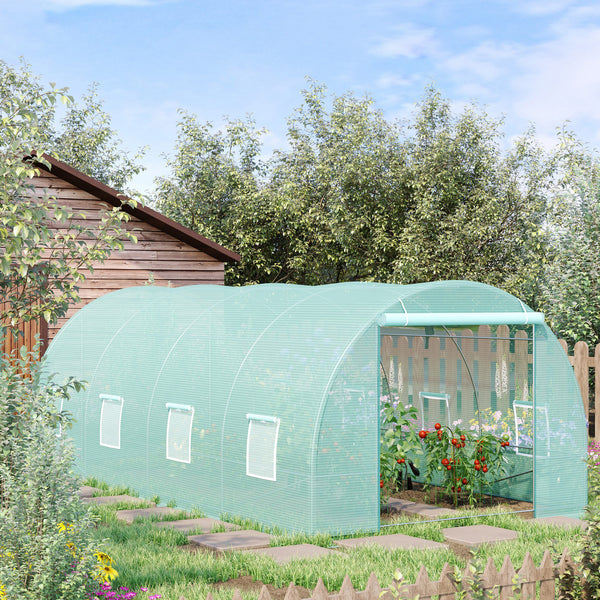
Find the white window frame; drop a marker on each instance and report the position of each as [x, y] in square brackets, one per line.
[262, 419]
[172, 407]
[542, 412]
[111, 398]
[434, 396]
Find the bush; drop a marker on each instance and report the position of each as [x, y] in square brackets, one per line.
[46, 548]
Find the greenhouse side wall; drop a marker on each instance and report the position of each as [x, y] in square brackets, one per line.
[560, 432]
[345, 492]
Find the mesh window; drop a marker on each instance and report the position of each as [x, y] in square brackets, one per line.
[179, 432]
[261, 447]
[110, 421]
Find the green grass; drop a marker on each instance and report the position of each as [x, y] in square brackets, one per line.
[146, 556]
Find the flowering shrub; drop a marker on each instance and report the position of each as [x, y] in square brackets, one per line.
[593, 460]
[46, 544]
[123, 593]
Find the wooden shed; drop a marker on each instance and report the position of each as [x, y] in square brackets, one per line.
[166, 252]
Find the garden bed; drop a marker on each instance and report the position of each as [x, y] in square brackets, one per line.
[436, 497]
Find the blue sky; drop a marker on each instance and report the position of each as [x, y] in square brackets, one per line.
[533, 61]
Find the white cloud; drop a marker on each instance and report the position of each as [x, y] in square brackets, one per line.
[540, 8]
[410, 41]
[389, 80]
[560, 79]
[487, 61]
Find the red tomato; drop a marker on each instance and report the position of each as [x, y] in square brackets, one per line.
[484, 468]
[401, 461]
[437, 426]
[422, 434]
[454, 441]
[482, 459]
[449, 467]
[464, 480]
[462, 438]
[478, 467]
[458, 489]
[381, 484]
[445, 461]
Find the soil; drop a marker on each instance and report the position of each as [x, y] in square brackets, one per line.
[434, 496]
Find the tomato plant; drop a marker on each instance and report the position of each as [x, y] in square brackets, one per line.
[398, 447]
[466, 463]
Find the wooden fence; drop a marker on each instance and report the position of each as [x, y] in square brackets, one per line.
[529, 581]
[582, 363]
[28, 331]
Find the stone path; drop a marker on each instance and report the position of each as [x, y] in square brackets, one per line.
[473, 536]
[285, 554]
[203, 525]
[162, 511]
[243, 539]
[86, 491]
[392, 542]
[470, 536]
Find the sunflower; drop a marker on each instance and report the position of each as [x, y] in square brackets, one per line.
[106, 572]
[103, 558]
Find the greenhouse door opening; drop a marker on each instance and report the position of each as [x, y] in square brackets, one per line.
[473, 380]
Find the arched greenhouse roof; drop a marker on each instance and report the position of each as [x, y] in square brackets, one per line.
[302, 363]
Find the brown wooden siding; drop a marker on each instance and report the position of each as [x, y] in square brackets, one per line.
[157, 254]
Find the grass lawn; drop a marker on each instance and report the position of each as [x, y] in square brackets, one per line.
[160, 559]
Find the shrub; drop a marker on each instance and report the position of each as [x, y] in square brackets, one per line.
[46, 548]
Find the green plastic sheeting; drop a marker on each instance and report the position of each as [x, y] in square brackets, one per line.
[264, 401]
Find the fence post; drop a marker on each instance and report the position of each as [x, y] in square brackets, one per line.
[581, 355]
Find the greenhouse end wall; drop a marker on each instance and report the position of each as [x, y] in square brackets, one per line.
[263, 401]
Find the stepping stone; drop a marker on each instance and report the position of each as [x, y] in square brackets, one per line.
[115, 499]
[391, 542]
[186, 525]
[86, 491]
[285, 554]
[416, 509]
[130, 515]
[246, 539]
[473, 536]
[568, 522]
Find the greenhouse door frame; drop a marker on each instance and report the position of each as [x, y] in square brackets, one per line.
[444, 320]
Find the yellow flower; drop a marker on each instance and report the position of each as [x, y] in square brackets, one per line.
[2, 592]
[106, 572]
[104, 558]
[62, 527]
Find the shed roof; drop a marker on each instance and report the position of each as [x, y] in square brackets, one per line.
[114, 198]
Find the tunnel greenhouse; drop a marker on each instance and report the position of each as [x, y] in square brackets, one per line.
[264, 401]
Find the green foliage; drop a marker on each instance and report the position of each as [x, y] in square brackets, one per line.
[399, 445]
[571, 290]
[46, 547]
[356, 197]
[87, 142]
[466, 463]
[40, 267]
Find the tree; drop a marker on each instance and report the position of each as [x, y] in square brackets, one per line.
[46, 548]
[39, 267]
[214, 189]
[87, 142]
[570, 295]
[357, 197]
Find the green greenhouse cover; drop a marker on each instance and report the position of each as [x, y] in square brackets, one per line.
[264, 401]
